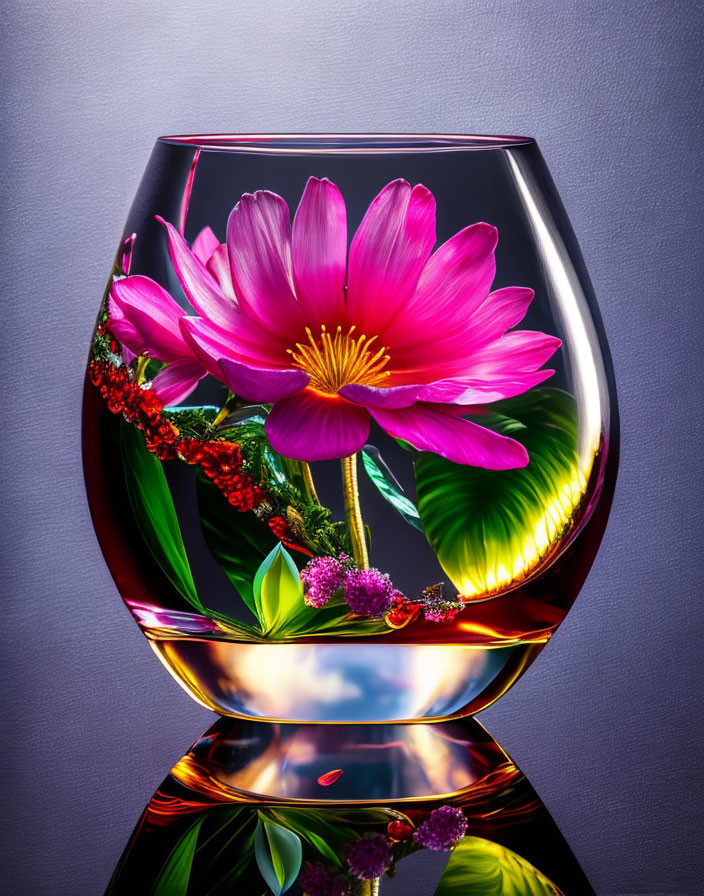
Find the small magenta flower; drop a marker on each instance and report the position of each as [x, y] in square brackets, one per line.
[368, 592]
[314, 880]
[369, 857]
[444, 829]
[322, 577]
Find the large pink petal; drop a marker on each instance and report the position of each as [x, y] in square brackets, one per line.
[470, 390]
[261, 384]
[127, 335]
[520, 351]
[453, 285]
[388, 253]
[259, 247]
[319, 252]
[430, 428]
[205, 244]
[219, 266]
[176, 381]
[208, 343]
[311, 426]
[501, 310]
[502, 369]
[379, 397]
[245, 343]
[200, 287]
[153, 314]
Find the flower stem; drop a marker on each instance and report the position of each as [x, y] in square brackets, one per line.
[142, 364]
[230, 405]
[366, 887]
[308, 482]
[354, 512]
[223, 414]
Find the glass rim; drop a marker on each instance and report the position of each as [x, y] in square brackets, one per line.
[345, 143]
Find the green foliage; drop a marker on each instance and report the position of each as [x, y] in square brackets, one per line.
[192, 423]
[278, 853]
[317, 829]
[481, 868]
[278, 592]
[388, 486]
[174, 876]
[154, 512]
[238, 541]
[492, 527]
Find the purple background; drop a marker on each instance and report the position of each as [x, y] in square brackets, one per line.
[607, 724]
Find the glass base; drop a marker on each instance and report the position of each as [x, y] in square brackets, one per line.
[348, 682]
[260, 762]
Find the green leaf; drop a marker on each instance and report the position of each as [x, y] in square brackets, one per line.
[481, 868]
[315, 827]
[389, 487]
[278, 853]
[239, 541]
[174, 876]
[155, 513]
[494, 528]
[278, 591]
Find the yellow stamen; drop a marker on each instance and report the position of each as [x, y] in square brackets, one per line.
[334, 361]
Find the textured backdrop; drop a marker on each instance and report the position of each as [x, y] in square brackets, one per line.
[606, 724]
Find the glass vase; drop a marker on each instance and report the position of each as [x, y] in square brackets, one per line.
[350, 430]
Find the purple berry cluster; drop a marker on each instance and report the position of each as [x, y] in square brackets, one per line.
[442, 830]
[322, 577]
[368, 592]
[315, 880]
[369, 857]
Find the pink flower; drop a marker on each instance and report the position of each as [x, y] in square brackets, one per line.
[391, 330]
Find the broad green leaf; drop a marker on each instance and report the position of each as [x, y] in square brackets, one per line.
[238, 540]
[278, 853]
[174, 876]
[315, 826]
[154, 512]
[388, 486]
[494, 528]
[481, 868]
[278, 591]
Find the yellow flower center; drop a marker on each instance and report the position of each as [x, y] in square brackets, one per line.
[333, 361]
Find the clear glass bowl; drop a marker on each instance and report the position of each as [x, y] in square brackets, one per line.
[357, 468]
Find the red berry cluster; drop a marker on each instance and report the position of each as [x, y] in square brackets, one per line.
[286, 535]
[222, 464]
[103, 330]
[137, 405]
[401, 611]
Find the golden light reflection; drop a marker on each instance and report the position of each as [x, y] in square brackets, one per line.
[538, 547]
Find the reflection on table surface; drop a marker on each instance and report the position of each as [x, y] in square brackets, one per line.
[337, 810]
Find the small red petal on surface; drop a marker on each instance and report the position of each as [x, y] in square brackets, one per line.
[330, 777]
